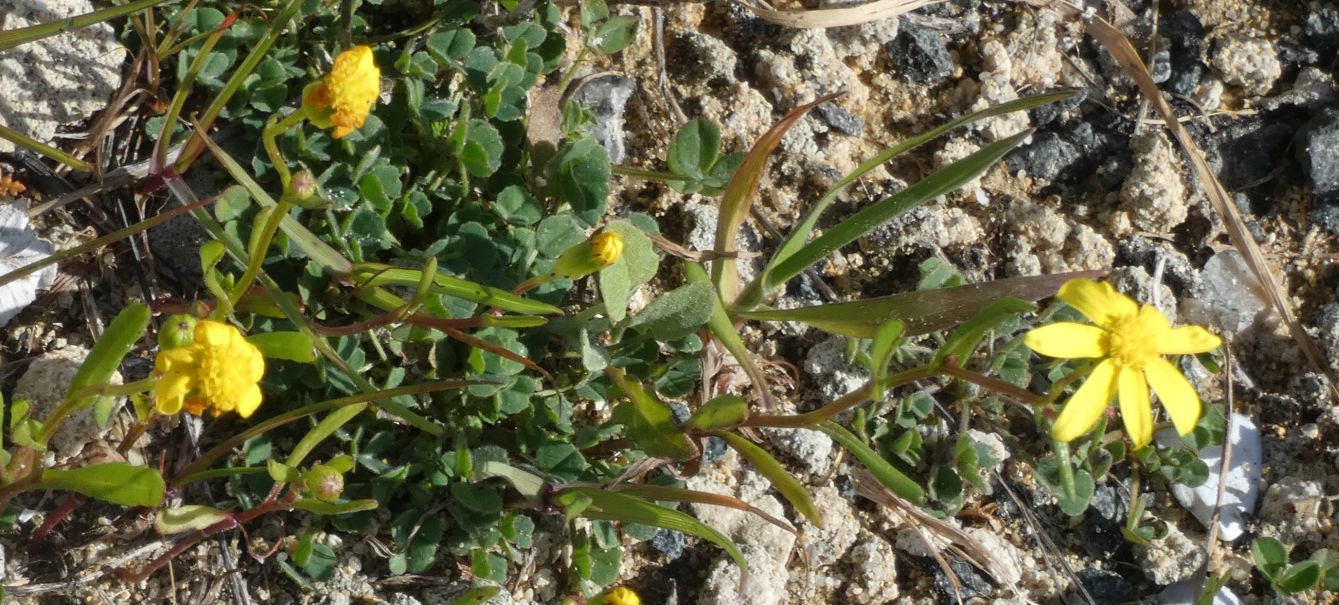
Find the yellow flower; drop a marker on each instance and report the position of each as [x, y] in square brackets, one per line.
[345, 96]
[589, 256]
[617, 596]
[1130, 341]
[218, 370]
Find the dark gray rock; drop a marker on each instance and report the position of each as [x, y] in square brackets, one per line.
[920, 55]
[1321, 31]
[1106, 587]
[607, 97]
[1047, 156]
[971, 581]
[1185, 38]
[841, 120]
[669, 543]
[714, 451]
[1318, 152]
[1248, 151]
[1100, 532]
[1160, 66]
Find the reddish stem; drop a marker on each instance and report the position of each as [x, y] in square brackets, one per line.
[71, 503]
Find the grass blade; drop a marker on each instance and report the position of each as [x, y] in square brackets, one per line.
[783, 481]
[763, 284]
[889, 476]
[922, 311]
[14, 37]
[944, 180]
[665, 493]
[610, 506]
[738, 196]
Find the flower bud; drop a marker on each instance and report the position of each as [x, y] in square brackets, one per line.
[589, 256]
[303, 186]
[178, 331]
[325, 483]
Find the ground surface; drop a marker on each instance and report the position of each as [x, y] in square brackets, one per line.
[1098, 187]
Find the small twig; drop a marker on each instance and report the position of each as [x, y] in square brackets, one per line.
[658, 44]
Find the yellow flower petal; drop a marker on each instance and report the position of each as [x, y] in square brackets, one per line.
[1188, 341]
[256, 363]
[1177, 395]
[1067, 340]
[213, 334]
[180, 359]
[1098, 301]
[170, 392]
[1135, 409]
[249, 402]
[1088, 403]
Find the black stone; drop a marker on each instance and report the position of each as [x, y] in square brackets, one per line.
[920, 54]
[714, 451]
[1318, 151]
[843, 121]
[680, 411]
[1250, 150]
[1070, 153]
[1321, 31]
[1160, 66]
[669, 543]
[1185, 38]
[1106, 587]
[1047, 156]
[971, 582]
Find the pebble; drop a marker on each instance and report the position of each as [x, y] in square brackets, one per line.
[765, 584]
[45, 384]
[1318, 151]
[1250, 63]
[1184, 34]
[1228, 297]
[1106, 587]
[1173, 558]
[841, 120]
[669, 543]
[1249, 150]
[1153, 195]
[1321, 30]
[811, 449]
[698, 58]
[1293, 511]
[920, 55]
[827, 544]
[873, 578]
[971, 582]
[827, 364]
[607, 97]
[1186, 592]
[1329, 333]
[1243, 479]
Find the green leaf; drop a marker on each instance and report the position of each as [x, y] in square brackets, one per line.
[1270, 556]
[967, 336]
[800, 235]
[651, 425]
[188, 517]
[116, 482]
[615, 34]
[1298, 578]
[636, 266]
[923, 311]
[722, 412]
[1048, 473]
[111, 348]
[481, 154]
[783, 481]
[889, 476]
[606, 505]
[290, 346]
[738, 197]
[881, 354]
[450, 46]
[723, 328]
[579, 175]
[517, 206]
[677, 313]
[528, 484]
[942, 181]
[695, 149]
[319, 563]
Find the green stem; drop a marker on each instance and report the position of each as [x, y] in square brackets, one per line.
[257, 253]
[26, 142]
[10, 39]
[638, 173]
[273, 129]
[993, 384]
[76, 401]
[572, 71]
[846, 402]
[1066, 470]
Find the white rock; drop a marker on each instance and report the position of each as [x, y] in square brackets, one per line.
[826, 363]
[1251, 63]
[765, 584]
[873, 572]
[45, 384]
[1186, 592]
[811, 449]
[1294, 511]
[1153, 194]
[1171, 559]
[1243, 479]
[825, 545]
[1006, 556]
[56, 80]
[20, 246]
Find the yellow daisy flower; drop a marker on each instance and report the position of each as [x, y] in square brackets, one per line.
[346, 95]
[617, 596]
[1130, 341]
[218, 370]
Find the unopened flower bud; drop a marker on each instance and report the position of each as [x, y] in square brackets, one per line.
[178, 331]
[324, 483]
[303, 187]
[589, 256]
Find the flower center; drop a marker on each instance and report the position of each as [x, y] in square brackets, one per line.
[218, 375]
[1131, 342]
